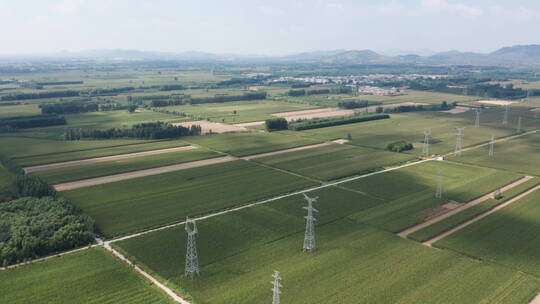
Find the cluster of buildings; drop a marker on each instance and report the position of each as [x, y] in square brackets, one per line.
[358, 80]
[379, 91]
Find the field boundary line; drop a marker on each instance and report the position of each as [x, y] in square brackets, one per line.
[479, 217]
[73, 163]
[166, 289]
[463, 207]
[325, 185]
[49, 257]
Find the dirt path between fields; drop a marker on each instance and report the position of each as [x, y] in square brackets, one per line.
[154, 281]
[478, 218]
[141, 173]
[468, 205]
[104, 159]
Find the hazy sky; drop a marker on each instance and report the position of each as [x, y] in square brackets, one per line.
[266, 27]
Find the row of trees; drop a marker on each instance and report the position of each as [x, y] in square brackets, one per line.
[329, 122]
[444, 106]
[53, 94]
[356, 104]
[32, 121]
[151, 130]
[334, 90]
[69, 107]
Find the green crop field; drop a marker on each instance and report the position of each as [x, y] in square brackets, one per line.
[239, 111]
[335, 161]
[61, 175]
[247, 143]
[18, 110]
[239, 251]
[518, 155]
[31, 151]
[142, 203]
[508, 237]
[409, 127]
[467, 214]
[410, 190]
[88, 276]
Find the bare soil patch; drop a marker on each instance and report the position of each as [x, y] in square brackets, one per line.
[497, 102]
[315, 113]
[141, 173]
[211, 127]
[457, 110]
[438, 210]
[341, 141]
[104, 159]
[250, 124]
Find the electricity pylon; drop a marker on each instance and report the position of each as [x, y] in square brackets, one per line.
[440, 179]
[519, 125]
[459, 141]
[491, 146]
[477, 120]
[277, 287]
[309, 237]
[192, 259]
[505, 117]
[427, 133]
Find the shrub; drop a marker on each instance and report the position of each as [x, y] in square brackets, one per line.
[276, 124]
[399, 146]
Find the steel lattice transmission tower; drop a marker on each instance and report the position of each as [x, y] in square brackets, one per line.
[427, 134]
[519, 125]
[492, 146]
[309, 237]
[529, 102]
[440, 180]
[459, 141]
[192, 259]
[505, 117]
[477, 120]
[277, 287]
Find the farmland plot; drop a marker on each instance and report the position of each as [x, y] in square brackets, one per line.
[89, 276]
[141, 203]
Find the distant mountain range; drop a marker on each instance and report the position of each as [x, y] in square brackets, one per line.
[515, 55]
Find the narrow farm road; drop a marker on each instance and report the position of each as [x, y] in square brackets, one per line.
[141, 173]
[103, 159]
[477, 201]
[481, 216]
[166, 289]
